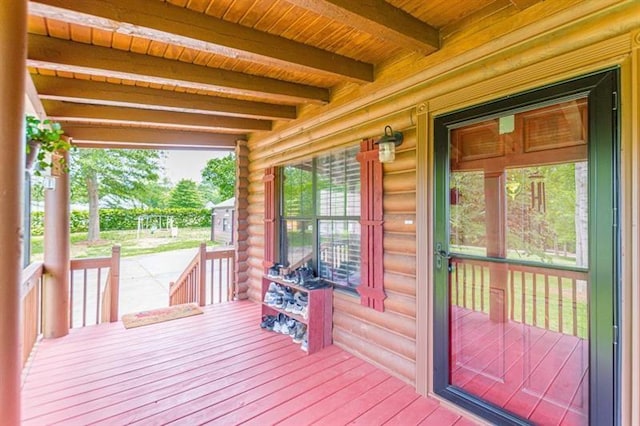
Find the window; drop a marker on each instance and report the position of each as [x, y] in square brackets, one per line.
[320, 220]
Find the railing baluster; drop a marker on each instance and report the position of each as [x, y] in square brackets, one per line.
[574, 300]
[523, 297]
[534, 296]
[473, 287]
[546, 301]
[98, 292]
[560, 307]
[464, 286]
[457, 270]
[482, 288]
[84, 299]
[71, 275]
[512, 297]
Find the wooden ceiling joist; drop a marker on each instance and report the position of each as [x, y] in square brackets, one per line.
[95, 92]
[178, 26]
[132, 138]
[64, 55]
[379, 18]
[77, 112]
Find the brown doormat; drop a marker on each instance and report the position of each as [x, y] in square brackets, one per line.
[153, 316]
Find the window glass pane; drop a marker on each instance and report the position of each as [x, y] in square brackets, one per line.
[546, 212]
[338, 184]
[297, 190]
[467, 218]
[339, 245]
[297, 241]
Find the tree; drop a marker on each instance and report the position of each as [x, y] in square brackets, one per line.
[221, 174]
[185, 195]
[120, 173]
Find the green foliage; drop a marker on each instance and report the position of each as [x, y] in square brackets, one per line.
[220, 173]
[46, 136]
[185, 195]
[124, 174]
[124, 219]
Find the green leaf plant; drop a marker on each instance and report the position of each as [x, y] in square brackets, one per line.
[43, 138]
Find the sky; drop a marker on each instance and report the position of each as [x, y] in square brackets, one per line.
[188, 164]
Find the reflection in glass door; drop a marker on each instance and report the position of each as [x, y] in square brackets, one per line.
[514, 264]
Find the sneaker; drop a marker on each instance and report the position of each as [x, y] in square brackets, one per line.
[305, 342]
[278, 323]
[290, 306]
[290, 324]
[297, 309]
[301, 329]
[268, 321]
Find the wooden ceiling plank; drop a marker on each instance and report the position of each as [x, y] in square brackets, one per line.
[381, 19]
[48, 52]
[128, 95]
[163, 22]
[150, 137]
[72, 111]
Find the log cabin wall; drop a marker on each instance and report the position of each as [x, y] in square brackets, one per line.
[499, 56]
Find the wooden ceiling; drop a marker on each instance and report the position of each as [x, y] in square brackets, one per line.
[204, 73]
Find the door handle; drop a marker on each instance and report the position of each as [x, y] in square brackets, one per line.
[442, 254]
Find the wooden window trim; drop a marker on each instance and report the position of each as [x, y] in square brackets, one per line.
[371, 288]
[270, 214]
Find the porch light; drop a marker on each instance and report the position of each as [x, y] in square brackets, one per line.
[387, 145]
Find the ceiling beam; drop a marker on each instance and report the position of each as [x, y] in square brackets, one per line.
[77, 112]
[379, 18]
[131, 137]
[160, 21]
[96, 92]
[64, 55]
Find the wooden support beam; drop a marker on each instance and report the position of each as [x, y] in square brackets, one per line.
[13, 15]
[381, 19]
[133, 138]
[179, 26]
[76, 112]
[95, 92]
[64, 55]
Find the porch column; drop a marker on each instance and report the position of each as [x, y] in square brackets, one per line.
[241, 224]
[496, 219]
[56, 257]
[13, 33]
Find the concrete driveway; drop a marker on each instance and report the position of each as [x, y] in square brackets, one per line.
[144, 279]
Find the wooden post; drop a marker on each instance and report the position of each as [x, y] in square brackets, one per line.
[56, 257]
[202, 271]
[13, 33]
[241, 223]
[114, 283]
[496, 219]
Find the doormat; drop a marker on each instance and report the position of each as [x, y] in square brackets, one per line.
[154, 316]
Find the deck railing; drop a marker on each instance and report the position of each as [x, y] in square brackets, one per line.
[209, 278]
[94, 289]
[31, 298]
[554, 299]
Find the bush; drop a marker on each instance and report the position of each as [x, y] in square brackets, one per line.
[123, 219]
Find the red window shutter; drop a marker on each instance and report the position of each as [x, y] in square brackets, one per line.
[269, 217]
[371, 288]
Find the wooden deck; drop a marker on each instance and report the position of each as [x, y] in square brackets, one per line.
[217, 368]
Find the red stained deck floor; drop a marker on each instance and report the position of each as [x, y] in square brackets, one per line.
[217, 368]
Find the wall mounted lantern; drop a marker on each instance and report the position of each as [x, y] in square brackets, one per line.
[387, 145]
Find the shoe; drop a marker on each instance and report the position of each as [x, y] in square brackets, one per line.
[301, 329]
[268, 321]
[297, 309]
[278, 323]
[305, 342]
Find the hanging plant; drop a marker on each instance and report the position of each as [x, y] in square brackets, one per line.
[44, 138]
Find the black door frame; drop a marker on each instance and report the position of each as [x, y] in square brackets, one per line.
[604, 243]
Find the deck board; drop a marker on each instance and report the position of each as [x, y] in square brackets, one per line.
[219, 368]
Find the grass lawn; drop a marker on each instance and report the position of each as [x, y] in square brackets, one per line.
[131, 244]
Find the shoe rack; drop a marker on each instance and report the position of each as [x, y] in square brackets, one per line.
[319, 312]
